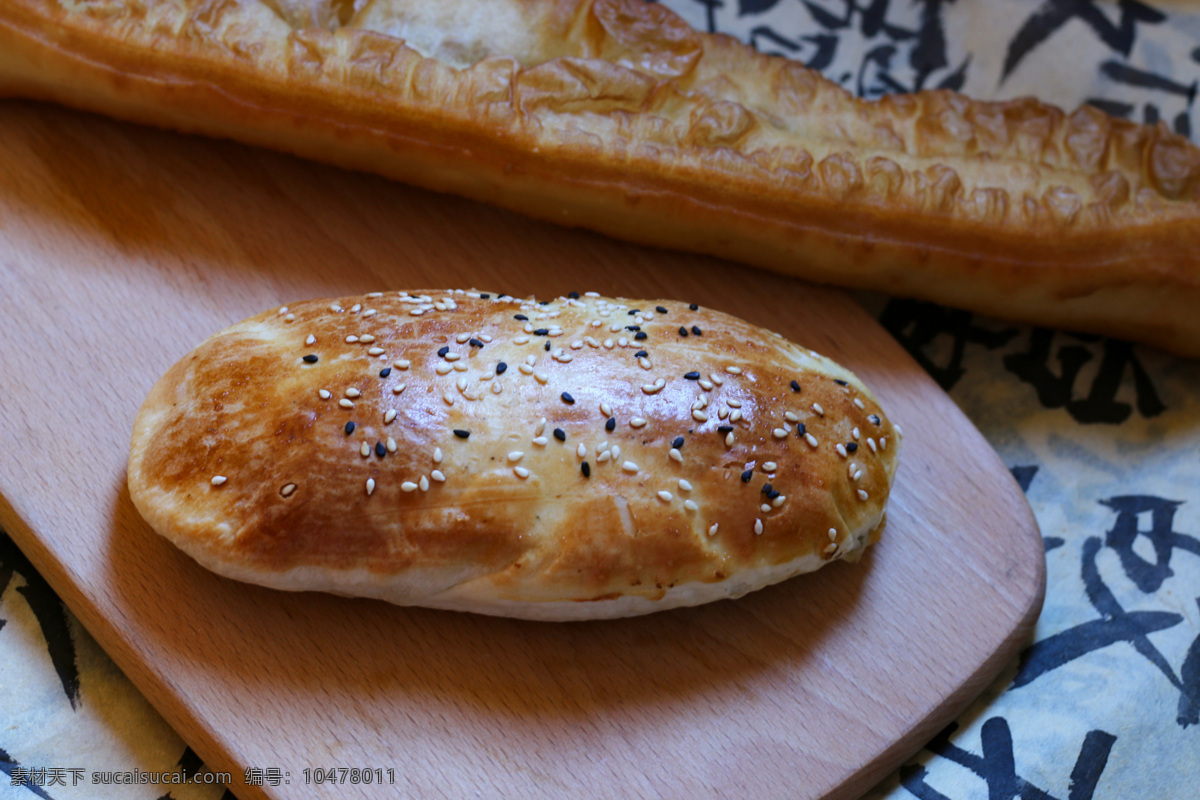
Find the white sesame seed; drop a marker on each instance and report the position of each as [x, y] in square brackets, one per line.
[896, 428]
[812, 440]
[460, 367]
[344, 403]
[581, 451]
[713, 530]
[665, 496]
[287, 490]
[365, 450]
[217, 480]
[614, 328]
[437, 455]
[758, 527]
[483, 337]
[883, 443]
[577, 344]
[841, 450]
[603, 456]
[529, 327]
[871, 444]
[616, 451]
[779, 433]
[623, 342]
[531, 360]
[629, 466]
[453, 356]
[416, 312]
[685, 485]
[462, 337]
[858, 402]
[717, 379]
[437, 475]
[791, 416]
[765, 508]
[606, 409]
[324, 394]
[461, 383]
[311, 339]
[283, 310]
[591, 341]
[521, 340]
[391, 445]
[769, 466]
[706, 385]
[637, 422]
[851, 468]
[353, 393]
[351, 339]
[370, 486]
[370, 312]
[645, 363]
[540, 428]
[690, 505]
[403, 363]
[779, 500]
[443, 368]
[734, 403]
[540, 441]
[357, 307]
[736, 415]
[857, 473]
[699, 415]
[448, 398]
[335, 308]
[602, 447]
[862, 494]
[830, 548]
[729, 439]
[515, 455]
[521, 472]
[676, 455]
[525, 369]
[816, 407]
[734, 370]
[389, 415]
[722, 412]
[408, 486]
[366, 338]
[399, 387]
[832, 534]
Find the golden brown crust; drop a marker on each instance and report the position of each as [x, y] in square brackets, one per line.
[615, 115]
[715, 475]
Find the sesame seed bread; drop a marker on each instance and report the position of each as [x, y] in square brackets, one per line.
[616, 116]
[580, 458]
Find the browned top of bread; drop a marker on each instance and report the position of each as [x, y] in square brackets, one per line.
[615, 115]
[473, 450]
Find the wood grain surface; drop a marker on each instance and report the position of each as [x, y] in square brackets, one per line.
[121, 248]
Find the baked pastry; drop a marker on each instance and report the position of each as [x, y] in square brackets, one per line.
[576, 459]
[616, 116]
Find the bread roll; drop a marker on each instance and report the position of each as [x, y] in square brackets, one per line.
[616, 116]
[577, 459]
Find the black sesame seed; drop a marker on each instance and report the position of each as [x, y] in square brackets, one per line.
[566, 398]
[678, 443]
[874, 419]
[474, 342]
[560, 434]
[611, 424]
[682, 331]
[349, 428]
[586, 469]
[442, 351]
[543, 302]
[573, 295]
[694, 307]
[521, 317]
[747, 475]
[800, 429]
[641, 354]
[795, 386]
[460, 433]
[725, 429]
[633, 311]
[541, 332]
[839, 382]
[640, 335]
[851, 447]
[501, 368]
[692, 376]
[771, 495]
[767, 488]
[633, 327]
[311, 358]
[660, 309]
[547, 347]
[383, 373]
[484, 296]
[696, 330]
[380, 449]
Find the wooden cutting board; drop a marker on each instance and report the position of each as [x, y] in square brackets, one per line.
[121, 248]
